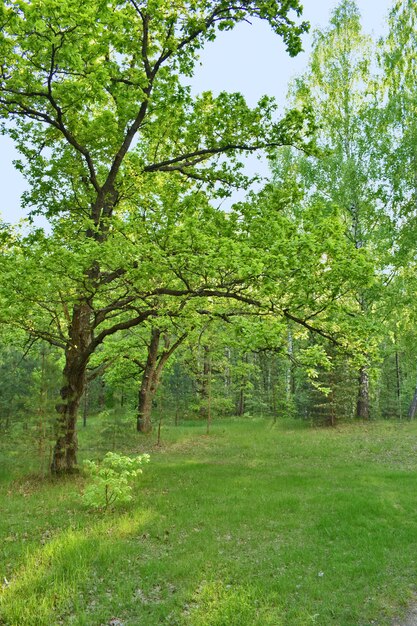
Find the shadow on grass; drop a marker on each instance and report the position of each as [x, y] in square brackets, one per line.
[44, 590]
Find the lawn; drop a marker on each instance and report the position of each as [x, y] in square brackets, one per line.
[256, 524]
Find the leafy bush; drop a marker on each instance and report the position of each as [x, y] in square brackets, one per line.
[111, 480]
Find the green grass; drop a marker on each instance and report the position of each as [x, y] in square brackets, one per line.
[253, 525]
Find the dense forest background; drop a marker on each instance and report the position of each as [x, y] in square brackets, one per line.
[144, 300]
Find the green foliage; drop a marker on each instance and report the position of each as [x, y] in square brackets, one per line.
[111, 480]
[123, 161]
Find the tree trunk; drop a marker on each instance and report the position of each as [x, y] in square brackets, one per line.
[85, 407]
[240, 408]
[101, 395]
[398, 380]
[413, 406]
[241, 398]
[144, 421]
[64, 458]
[290, 377]
[77, 352]
[209, 402]
[42, 408]
[362, 406]
[147, 389]
[151, 378]
[203, 390]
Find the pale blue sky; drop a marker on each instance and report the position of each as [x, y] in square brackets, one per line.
[250, 59]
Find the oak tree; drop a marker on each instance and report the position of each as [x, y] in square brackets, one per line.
[92, 95]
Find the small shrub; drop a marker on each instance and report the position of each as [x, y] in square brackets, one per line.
[111, 480]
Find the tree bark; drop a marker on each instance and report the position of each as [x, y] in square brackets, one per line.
[398, 381]
[152, 376]
[101, 400]
[144, 418]
[241, 399]
[147, 388]
[77, 353]
[209, 401]
[204, 380]
[85, 407]
[290, 376]
[240, 407]
[362, 406]
[413, 406]
[42, 407]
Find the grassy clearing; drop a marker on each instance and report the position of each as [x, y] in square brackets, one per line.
[253, 525]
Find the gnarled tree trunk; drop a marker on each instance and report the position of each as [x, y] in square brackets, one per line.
[77, 353]
[144, 419]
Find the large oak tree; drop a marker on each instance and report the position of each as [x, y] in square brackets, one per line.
[92, 95]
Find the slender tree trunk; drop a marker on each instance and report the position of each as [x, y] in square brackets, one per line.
[292, 382]
[290, 375]
[398, 380]
[241, 399]
[64, 458]
[331, 401]
[209, 400]
[146, 393]
[362, 406]
[42, 407]
[102, 395]
[203, 391]
[240, 407]
[227, 376]
[158, 441]
[413, 406]
[357, 233]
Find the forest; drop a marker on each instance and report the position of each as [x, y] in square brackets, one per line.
[259, 353]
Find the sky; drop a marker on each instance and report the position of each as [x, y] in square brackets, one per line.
[250, 59]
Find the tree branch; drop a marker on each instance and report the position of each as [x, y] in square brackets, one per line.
[190, 159]
[130, 323]
[311, 328]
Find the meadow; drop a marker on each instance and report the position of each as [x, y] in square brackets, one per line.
[256, 524]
